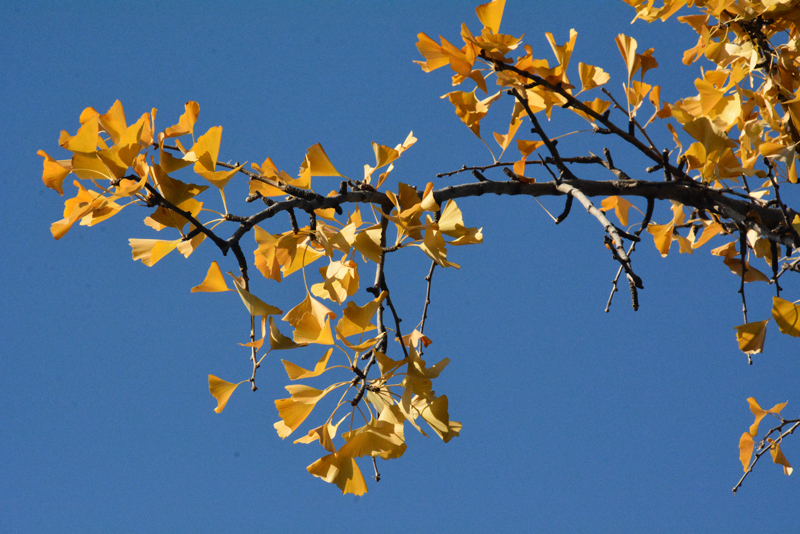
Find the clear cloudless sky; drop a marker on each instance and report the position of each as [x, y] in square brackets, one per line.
[574, 420]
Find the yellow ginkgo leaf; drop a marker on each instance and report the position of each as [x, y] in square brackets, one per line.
[620, 206]
[340, 281]
[85, 140]
[185, 122]
[278, 341]
[662, 237]
[113, 121]
[706, 132]
[150, 251]
[435, 247]
[254, 305]
[367, 242]
[428, 202]
[376, 439]
[471, 110]
[435, 413]
[387, 364]
[592, 76]
[175, 190]
[778, 457]
[356, 319]
[89, 207]
[434, 56]
[214, 281]
[205, 151]
[54, 172]
[293, 256]
[318, 163]
[751, 336]
[491, 14]
[751, 274]
[311, 322]
[746, 446]
[323, 434]
[413, 339]
[713, 228]
[221, 390]
[91, 167]
[295, 372]
[760, 412]
[787, 315]
[342, 471]
[636, 93]
[627, 47]
[294, 410]
[218, 178]
[359, 347]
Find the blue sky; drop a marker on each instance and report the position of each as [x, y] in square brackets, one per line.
[574, 420]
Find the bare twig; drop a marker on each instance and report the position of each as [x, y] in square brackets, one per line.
[765, 446]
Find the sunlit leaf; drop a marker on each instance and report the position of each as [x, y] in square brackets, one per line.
[85, 140]
[759, 412]
[311, 321]
[778, 457]
[471, 110]
[113, 121]
[436, 415]
[54, 172]
[151, 251]
[295, 372]
[713, 228]
[254, 305]
[376, 439]
[205, 151]
[294, 410]
[662, 237]
[221, 390]
[491, 14]
[746, 446]
[367, 242]
[751, 336]
[592, 76]
[751, 274]
[342, 471]
[340, 281]
[787, 315]
[318, 163]
[434, 56]
[278, 341]
[620, 206]
[323, 434]
[627, 47]
[185, 122]
[214, 281]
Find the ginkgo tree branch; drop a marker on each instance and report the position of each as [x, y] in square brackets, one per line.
[158, 199]
[764, 446]
[647, 150]
[610, 229]
[548, 160]
[720, 199]
[634, 295]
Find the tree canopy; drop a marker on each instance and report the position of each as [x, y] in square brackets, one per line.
[713, 173]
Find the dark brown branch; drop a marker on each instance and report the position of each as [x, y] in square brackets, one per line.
[574, 103]
[199, 227]
[565, 213]
[743, 253]
[547, 160]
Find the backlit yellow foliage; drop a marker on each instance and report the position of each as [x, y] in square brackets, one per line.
[731, 150]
